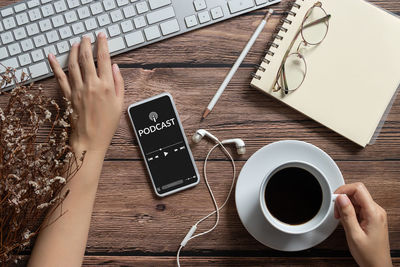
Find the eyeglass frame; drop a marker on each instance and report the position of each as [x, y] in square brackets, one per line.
[281, 72]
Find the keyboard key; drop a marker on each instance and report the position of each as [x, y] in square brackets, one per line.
[32, 29]
[63, 60]
[14, 49]
[3, 52]
[239, 5]
[116, 15]
[57, 21]
[83, 12]
[7, 12]
[160, 14]
[126, 26]
[1, 27]
[62, 47]
[20, 7]
[116, 44]
[74, 41]
[24, 59]
[134, 38]
[84, 2]
[78, 28]
[260, 2]
[65, 32]
[217, 12]
[169, 27]
[103, 31]
[22, 18]
[39, 69]
[39, 40]
[96, 8]
[34, 14]
[50, 49]
[114, 30]
[109, 4]
[142, 7]
[33, 3]
[199, 4]
[27, 45]
[73, 3]
[9, 23]
[37, 55]
[191, 21]
[19, 33]
[91, 36]
[45, 25]
[204, 17]
[60, 6]
[52, 36]
[70, 16]
[103, 20]
[129, 11]
[90, 24]
[11, 62]
[7, 38]
[47, 10]
[152, 33]
[139, 22]
[158, 3]
[122, 2]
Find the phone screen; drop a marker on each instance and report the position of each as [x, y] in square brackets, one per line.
[164, 147]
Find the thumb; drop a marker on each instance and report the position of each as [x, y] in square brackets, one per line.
[118, 82]
[348, 216]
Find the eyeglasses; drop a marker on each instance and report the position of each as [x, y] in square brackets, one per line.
[313, 31]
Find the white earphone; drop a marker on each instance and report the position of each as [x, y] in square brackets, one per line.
[241, 149]
[240, 146]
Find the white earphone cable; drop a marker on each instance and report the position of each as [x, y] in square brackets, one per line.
[217, 209]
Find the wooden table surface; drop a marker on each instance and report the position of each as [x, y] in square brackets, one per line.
[132, 227]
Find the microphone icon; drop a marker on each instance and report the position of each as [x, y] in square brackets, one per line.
[153, 116]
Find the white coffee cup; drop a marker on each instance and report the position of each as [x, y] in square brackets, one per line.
[325, 210]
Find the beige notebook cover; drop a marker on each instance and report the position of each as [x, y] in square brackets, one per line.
[352, 75]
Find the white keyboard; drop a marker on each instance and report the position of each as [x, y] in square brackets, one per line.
[30, 30]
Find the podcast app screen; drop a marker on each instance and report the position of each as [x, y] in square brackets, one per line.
[163, 144]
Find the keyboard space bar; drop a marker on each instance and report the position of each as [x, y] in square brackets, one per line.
[239, 5]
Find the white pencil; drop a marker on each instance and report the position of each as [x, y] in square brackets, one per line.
[237, 64]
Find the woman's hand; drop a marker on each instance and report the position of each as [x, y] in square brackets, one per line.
[96, 96]
[365, 224]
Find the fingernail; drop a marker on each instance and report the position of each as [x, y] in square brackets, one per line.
[116, 67]
[51, 56]
[343, 201]
[102, 35]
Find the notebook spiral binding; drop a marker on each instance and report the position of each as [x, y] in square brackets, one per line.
[280, 30]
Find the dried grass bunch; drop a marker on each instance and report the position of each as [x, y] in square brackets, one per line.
[35, 163]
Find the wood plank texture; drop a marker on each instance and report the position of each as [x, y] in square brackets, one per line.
[127, 215]
[132, 227]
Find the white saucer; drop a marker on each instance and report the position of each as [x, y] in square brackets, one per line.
[249, 183]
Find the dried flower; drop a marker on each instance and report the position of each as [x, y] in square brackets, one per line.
[36, 162]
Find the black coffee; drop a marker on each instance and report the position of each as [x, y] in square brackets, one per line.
[293, 195]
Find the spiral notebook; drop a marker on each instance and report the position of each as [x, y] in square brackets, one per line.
[352, 76]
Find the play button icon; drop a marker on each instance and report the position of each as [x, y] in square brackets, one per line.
[165, 154]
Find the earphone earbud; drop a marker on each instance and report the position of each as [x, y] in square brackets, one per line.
[196, 138]
[239, 143]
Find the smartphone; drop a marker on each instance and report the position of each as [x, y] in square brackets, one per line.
[163, 144]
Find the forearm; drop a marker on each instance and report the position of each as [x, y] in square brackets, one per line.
[63, 243]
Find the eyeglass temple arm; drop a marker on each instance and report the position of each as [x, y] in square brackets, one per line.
[327, 17]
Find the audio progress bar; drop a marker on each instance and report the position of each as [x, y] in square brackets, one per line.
[160, 149]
